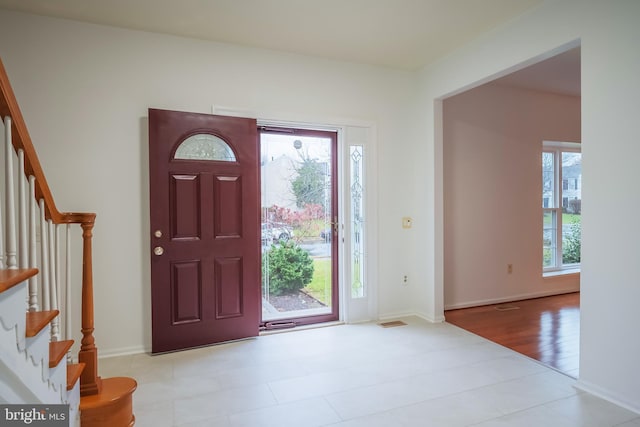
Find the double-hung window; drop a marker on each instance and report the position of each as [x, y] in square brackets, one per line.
[561, 205]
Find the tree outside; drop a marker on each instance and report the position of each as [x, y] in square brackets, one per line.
[309, 186]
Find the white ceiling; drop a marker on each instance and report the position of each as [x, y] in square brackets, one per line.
[401, 34]
[405, 34]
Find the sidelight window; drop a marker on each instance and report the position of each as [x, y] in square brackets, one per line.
[356, 154]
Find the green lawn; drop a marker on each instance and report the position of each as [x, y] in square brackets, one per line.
[567, 218]
[320, 286]
[570, 218]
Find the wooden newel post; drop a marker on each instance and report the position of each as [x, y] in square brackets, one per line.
[90, 382]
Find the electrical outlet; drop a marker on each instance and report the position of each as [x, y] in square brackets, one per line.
[405, 280]
[509, 268]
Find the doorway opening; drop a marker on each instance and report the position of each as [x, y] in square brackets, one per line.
[498, 152]
[299, 227]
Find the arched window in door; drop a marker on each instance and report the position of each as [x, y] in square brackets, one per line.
[204, 146]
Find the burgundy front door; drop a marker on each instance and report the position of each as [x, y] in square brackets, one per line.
[205, 229]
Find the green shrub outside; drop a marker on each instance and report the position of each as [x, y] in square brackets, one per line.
[571, 245]
[288, 268]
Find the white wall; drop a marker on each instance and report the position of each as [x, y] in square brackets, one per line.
[610, 291]
[492, 146]
[85, 90]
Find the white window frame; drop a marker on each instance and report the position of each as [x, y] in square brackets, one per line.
[557, 148]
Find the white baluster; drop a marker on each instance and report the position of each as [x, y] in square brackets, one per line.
[67, 285]
[53, 279]
[2, 223]
[10, 206]
[23, 255]
[44, 259]
[1, 236]
[33, 252]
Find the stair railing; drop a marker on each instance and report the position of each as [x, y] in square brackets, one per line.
[30, 236]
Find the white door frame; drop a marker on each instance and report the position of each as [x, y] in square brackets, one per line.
[350, 132]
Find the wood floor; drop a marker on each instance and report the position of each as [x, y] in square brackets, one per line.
[546, 329]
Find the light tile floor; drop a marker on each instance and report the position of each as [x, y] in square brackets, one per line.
[361, 375]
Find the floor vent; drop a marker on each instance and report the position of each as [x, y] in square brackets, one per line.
[507, 307]
[392, 324]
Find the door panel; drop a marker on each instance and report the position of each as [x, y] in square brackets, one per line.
[186, 292]
[229, 288]
[186, 195]
[228, 203]
[204, 202]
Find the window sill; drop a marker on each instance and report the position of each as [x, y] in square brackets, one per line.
[564, 272]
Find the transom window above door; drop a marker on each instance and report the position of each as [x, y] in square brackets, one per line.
[204, 146]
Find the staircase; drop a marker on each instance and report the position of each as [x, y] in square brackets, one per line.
[36, 363]
[35, 369]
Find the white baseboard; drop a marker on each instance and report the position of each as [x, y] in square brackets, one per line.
[423, 316]
[431, 319]
[607, 395]
[123, 351]
[396, 315]
[511, 298]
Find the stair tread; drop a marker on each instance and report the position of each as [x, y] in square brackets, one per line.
[113, 390]
[37, 320]
[74, 370]
[57, 350]
[10, 278]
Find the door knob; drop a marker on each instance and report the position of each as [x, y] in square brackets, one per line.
[158, 250]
